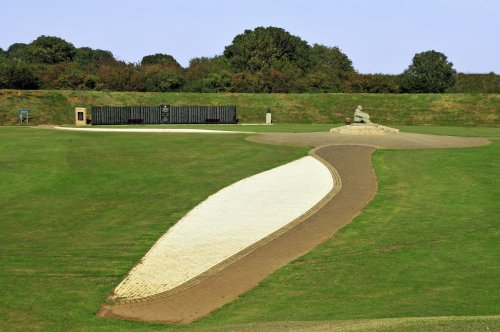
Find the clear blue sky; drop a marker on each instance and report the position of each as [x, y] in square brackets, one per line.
[379, 36]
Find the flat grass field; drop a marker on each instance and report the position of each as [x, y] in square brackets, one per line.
[78, 210]
[303, 128]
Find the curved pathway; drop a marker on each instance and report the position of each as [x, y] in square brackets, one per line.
[351, 157]
[153, 130]
[244, 273]
[226, 224]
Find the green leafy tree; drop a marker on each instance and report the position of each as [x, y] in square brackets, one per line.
[18, 51]
[246, 81]
[213, 82]
[209, 75]
[430, 72]
[331, 60]
[119, 76]
[3, 69]
[330, 69]
[267, 48]
[160, 59]
[322, 81]
[161, 73]
[48, 49]
[87, 55]
[202, 67]
[62, 75]
[17, 75]
[165, 82]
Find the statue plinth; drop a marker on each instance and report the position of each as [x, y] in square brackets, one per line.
[363, 126]
[364, 129]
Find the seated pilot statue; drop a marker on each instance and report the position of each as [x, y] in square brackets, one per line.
[360, 116]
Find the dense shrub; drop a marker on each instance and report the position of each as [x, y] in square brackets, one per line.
[321, 81]
[17, 75]
[476, 83]
[121, 76]
[165, 82]
[213, 82]
[372, 83]
[209, 75]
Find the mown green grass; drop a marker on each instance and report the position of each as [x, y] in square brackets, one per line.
[458, 109]
[325, 127]
[427, 245]
[410, 324]
[80, 209]
[452, 131]
[281, 127]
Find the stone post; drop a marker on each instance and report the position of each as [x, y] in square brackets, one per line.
[268, 117]
[80, 116]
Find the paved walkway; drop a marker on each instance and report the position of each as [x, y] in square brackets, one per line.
[244, 272]
[228, 222]
[152, 130]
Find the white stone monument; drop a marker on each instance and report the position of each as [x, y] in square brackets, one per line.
[80, 116]
[360, 116]
[269, 120]
[363, 126]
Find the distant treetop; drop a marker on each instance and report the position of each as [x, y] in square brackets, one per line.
[264, 60]
[264, 48]
[18, 51]
[86, 55]
[429, 72]
[48, 49]
[160, 59]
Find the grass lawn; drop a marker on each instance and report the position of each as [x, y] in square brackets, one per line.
[427, 245]
[80, 209]
[452, 131]
[258, 128]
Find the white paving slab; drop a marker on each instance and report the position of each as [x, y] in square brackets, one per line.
[154, 130]
[227, 222]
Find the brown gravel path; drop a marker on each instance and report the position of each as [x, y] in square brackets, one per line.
[359, 184]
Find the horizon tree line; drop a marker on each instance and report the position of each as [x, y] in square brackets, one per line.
[263, 60]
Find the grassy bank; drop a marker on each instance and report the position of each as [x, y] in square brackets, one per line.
[73, 223]
[57, 107]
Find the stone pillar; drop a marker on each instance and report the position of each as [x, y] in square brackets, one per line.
[80, 116]
[268, 117]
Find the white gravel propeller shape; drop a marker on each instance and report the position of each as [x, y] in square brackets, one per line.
[226, 223]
